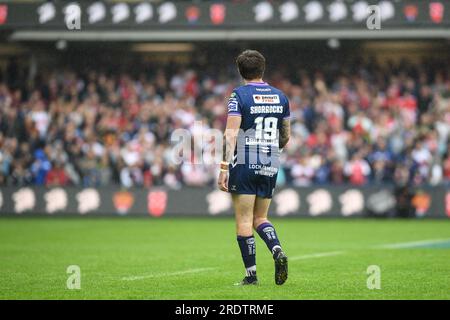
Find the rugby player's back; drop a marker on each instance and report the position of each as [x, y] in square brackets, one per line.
[263, 109]
[255, 163]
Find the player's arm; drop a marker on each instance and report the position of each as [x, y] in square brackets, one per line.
[230, 137]
[285, 133]
[285, 130]
[229, 144]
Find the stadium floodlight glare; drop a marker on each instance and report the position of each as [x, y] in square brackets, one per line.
[61, 45]
[334, 43]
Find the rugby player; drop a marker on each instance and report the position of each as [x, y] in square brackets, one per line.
[257, 129]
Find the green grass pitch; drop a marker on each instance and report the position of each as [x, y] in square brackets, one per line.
[137, 258]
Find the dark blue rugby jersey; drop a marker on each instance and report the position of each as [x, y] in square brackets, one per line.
[263, 109]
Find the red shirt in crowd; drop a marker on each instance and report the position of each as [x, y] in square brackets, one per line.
[56, 177]
[447, 169]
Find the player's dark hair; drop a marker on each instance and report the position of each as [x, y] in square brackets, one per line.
[251, 64]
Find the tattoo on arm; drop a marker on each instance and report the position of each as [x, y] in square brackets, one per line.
[285, 133]
[229, 144]
[226, 154]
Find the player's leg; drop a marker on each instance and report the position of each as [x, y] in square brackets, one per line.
[267, 232]
[262, 225]
[243, 208]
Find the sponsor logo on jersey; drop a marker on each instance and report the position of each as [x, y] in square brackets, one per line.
[266, 98]
[233, 105]
[249, 141]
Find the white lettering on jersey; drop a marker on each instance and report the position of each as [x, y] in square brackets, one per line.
[266, 109]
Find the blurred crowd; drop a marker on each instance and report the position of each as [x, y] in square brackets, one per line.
[357, 123]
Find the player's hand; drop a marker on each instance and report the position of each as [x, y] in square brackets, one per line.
[223, 181]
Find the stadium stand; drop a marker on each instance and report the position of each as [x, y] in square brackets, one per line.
[356, 123]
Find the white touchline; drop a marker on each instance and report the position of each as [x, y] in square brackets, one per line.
[167, 274]
[317, 255]
[412, 244]
[398, 245]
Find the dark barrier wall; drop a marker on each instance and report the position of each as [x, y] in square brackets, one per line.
[107, 15]
[335, 201]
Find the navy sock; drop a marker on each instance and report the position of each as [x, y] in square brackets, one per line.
[248, 252]
[267, 232]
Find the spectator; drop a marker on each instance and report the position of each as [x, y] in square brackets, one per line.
[357, 170]
[40, 167]
[56, 177]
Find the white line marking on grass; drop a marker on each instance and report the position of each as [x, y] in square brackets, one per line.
[317, 255]
[412, 244]
[398, 245]
[167, 274]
